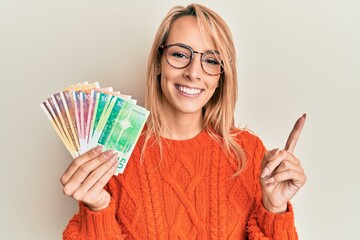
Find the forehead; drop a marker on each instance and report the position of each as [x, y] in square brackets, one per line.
[186, 30]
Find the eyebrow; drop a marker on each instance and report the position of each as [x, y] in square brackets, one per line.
[185, 45]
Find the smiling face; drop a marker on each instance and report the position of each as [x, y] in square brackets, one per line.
[187, 90]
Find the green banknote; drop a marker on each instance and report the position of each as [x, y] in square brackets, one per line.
[122, 130]
[102, 101]
[104, 111]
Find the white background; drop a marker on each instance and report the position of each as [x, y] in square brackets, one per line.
[293, 57]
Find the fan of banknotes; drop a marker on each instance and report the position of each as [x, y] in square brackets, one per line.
[85, 115]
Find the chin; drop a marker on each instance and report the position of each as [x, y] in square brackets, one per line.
[190, 110]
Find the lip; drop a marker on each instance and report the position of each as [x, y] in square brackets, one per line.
[195, 91]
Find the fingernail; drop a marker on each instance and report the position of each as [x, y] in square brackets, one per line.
[114, 157]
[98, 149]
[270, 180]
[274, 152]
[109, 153]
[304, 115]
[265, 172]
[115, 165]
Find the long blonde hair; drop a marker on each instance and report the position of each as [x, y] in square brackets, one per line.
[218, 113]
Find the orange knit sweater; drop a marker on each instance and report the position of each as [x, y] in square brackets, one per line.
[189, 194]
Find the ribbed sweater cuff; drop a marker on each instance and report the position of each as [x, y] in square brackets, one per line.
[99, 224]
[276, 225]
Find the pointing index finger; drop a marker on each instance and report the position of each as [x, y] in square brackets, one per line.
[295, 133]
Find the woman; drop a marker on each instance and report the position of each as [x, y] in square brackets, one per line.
[192, 175]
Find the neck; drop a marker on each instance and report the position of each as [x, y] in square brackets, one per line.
[181, 126]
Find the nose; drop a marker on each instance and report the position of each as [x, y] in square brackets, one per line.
[194, 70]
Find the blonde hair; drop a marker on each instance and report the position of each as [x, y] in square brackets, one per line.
[218, 113]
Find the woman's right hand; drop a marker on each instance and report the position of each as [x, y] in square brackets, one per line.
[86, 176]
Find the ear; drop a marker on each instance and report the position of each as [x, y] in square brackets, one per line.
[158, 69]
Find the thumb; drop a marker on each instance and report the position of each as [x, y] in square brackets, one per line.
[268, 157]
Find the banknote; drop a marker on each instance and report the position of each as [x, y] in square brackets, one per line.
[70, 104]
[88, 86]
[105, 89]
[62, 103]
[103, 110]
[79, 118]
[58, 106]
[78, 86]
[110, 118]
[102, 102]
[90, 99]
[122, 130]
[85, 111]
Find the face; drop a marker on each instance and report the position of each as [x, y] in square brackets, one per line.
[187, 90]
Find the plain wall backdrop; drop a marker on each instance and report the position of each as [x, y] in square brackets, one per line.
[293, 57]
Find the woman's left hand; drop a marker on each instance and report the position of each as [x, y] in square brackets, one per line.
[282, 175]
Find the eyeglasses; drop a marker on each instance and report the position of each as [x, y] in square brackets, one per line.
[180, 55]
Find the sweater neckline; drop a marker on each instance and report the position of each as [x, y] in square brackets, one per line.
[200, 139]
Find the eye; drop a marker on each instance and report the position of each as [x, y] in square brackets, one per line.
[212, 61]
[179, 55]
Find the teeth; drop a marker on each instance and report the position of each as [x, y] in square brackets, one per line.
[190, 91]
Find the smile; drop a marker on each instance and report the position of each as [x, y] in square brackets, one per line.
[188, 91]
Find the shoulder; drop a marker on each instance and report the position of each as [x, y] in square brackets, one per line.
[246, 137]
[250, 143]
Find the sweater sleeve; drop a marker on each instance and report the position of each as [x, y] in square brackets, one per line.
[261, 223]
[88, 224]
